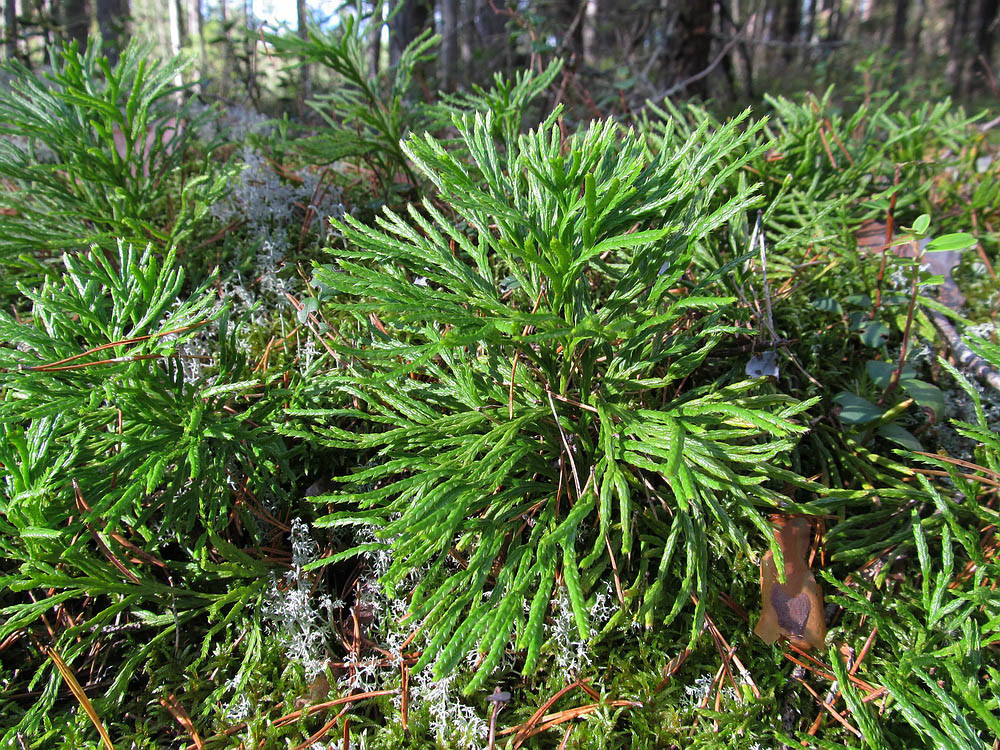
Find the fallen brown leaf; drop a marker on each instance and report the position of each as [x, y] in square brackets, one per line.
[793, 609]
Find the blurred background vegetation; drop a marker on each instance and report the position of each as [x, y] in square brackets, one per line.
[618, 52]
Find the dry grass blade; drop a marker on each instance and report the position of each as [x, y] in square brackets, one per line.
[122, 342]
[321, 732]
[959, 462]
[70, 679]
[565, 739]
[183, 718]
[832, 697]
[82, 505]
[821, 669]
[672, 667]
[404, 708]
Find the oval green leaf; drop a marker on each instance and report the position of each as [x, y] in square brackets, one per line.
[926, 395]
[875, 334]
[881, 372]
[826, 304]
[896, 434]
[857, 410]
[956, 241]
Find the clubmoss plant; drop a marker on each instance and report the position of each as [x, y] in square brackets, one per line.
[120, 480]
[94, 153]
[530, 379]
[367, 116]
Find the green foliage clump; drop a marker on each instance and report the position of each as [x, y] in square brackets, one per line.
[526, 391]
[119, 478]
[95, 153]
[367, 116]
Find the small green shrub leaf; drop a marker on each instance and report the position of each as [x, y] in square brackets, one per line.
[827, 304]
[956, 241]
[857, 410]
[881, 372]
[900, 436]
[874, 333]
[925, 394]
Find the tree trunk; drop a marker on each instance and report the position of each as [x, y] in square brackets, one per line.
[174, 21]
[793, 25]
[728, 15]
[375, 39]
[302, 15]
[985, 36]
[196, 36]
[690, 45]
[112, 20]
[898, 40]
[811, 23]
[958, 42]
[833, 8]
[10, 28]
[916, 47]
[449, 43]
[491, 28]
[412, 18]
[76, 21]
[570, 20]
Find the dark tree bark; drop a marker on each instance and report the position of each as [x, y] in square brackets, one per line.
[569, 21]
[834, 14]
[728, 13]
[792, 27]
[174, 20]
[407, 23]
[10, 28]
[898, 40]
[112, 20]
[193, 37]
[302, 17]
[690, 45]
[449, 43]
[491, 29]
[958, 47]
[47, 18]
[985, 37]
[918, 29]
[811, 23]
[76, 21]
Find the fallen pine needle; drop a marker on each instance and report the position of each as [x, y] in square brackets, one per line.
[829, 708]
[296, 715]
[183, 718]
[77, 690]
[560, 717]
